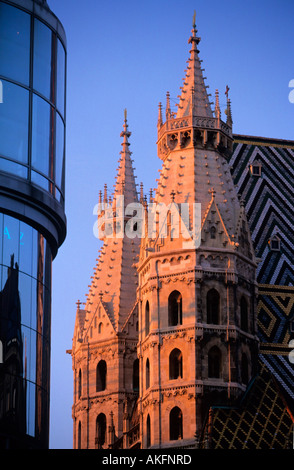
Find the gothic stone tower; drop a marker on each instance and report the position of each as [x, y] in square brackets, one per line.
[104, 351]
[169, 326]
[197, 304]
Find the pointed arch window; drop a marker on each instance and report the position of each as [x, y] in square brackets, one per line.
[80, 384]
[175, 364]
[214, 363]
[136, 375]
[100, 328]
[148, 431]
[212, 232]
[100, 430]
[101, 375]
[175, 309]
[244, 369]
[79, 435]
[176, 424]
[147, 318]
[244, 314]
[147, 374]
[213, 306]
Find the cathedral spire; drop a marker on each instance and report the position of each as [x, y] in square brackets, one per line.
[117, 283]
[168, 112]
[228, 110]
[159, 122]
[125, 181]
[217, 111]
[194, 98]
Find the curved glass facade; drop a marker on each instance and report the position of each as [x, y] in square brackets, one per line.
[25, 296]
[32, 217]
[32, 112]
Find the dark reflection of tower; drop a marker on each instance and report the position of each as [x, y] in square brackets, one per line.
[12, 370]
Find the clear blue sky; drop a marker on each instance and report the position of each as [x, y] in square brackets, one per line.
[128, 55]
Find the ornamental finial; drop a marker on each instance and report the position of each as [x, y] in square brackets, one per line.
[217, 107]
[194, 20]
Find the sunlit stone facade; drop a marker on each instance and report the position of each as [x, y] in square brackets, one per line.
[169, 330]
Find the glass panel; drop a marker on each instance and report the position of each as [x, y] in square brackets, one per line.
[39, 357]
[30, 410]
[14, 117]
[35, 255]
[25, 295]
[58, 196]
[26, 342]
[24, 318]
[1, 247]
[42, 58]
[60, 77]
[14, 43]
[40, 180]
[14, 168]
[32, 351]
[59, 165]
[41, 135]
[10, 241]
[34, 304]
[25, 248]
[47, 266]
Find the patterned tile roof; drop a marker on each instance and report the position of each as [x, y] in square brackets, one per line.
[269, 206]
[262, 421]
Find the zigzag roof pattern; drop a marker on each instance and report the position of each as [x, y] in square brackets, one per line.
[268, 200]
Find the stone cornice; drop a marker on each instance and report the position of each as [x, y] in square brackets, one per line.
[193, 333]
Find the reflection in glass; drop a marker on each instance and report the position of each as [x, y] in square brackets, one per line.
[60, 77]
[12, 392]
[42, 58]
[10, 240]
[25, 248]
[14, 43]
[25, 293]
[14, 116]
[59, 165]
[41, 135]
[30, 412]
[24, 329]
[34, 272]
[34, 310]
[44, 70]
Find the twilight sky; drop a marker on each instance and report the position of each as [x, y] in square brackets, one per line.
[128, 54]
